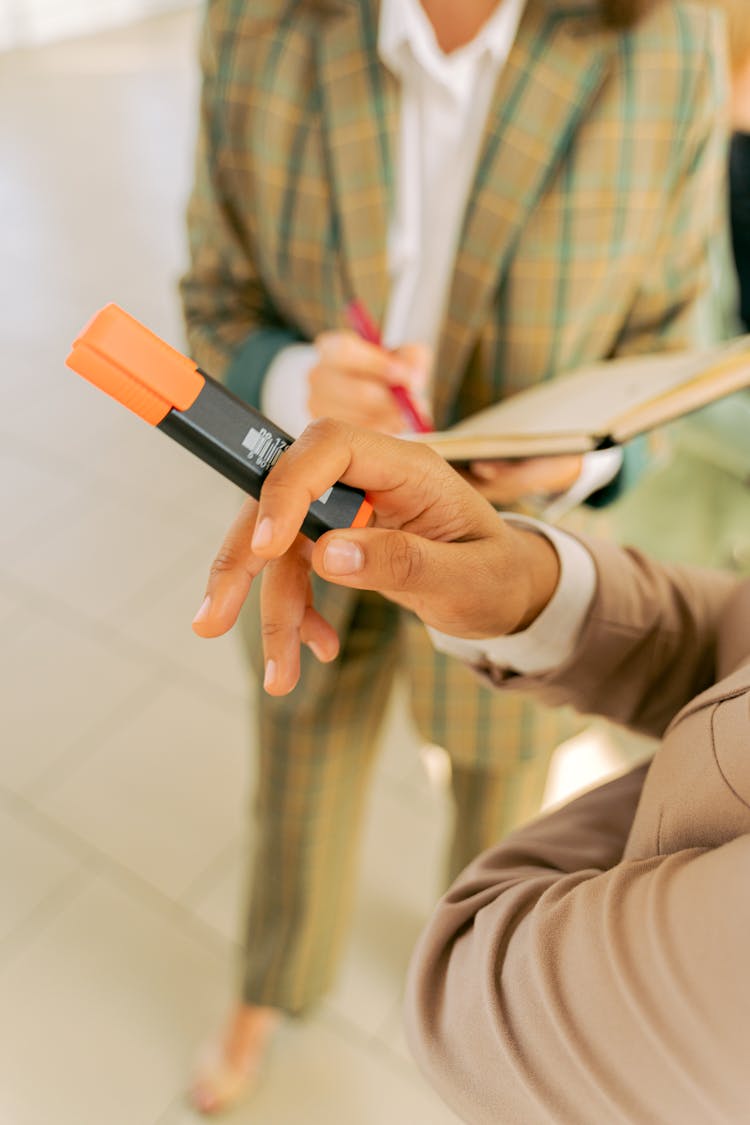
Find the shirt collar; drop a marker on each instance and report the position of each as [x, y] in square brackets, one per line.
[405, 33]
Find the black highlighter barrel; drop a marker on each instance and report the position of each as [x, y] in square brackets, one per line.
[243, 445]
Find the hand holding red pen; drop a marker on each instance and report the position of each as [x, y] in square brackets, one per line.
[501, 482]
[363, 324]
[354, 381]
[359, 381]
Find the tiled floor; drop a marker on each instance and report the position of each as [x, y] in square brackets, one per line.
[123, 757]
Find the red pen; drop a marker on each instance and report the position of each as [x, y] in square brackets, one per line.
[362, 323]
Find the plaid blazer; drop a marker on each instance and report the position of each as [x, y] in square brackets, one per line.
[598, 188]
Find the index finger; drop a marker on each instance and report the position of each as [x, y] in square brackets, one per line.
[361, 358]
[231, 575]
[409, 485]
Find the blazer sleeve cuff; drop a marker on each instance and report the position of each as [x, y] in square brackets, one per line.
[247, 371]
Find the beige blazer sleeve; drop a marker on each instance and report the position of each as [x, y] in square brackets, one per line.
[648, 646]
[572, 976]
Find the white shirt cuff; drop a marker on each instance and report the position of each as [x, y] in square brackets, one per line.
[550, 640]
[283, 396]
[599, 468]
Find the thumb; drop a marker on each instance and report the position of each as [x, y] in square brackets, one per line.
[375, 559]
[420, 574]
[418, 359]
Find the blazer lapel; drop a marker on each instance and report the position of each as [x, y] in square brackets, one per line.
[360, 111]
[554, 70]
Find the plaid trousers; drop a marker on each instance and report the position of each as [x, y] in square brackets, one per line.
[315, 753]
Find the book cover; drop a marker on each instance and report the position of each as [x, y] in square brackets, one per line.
[597, 406]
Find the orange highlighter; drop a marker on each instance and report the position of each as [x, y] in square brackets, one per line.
[125, 359]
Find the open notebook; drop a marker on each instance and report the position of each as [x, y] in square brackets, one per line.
[598, 406]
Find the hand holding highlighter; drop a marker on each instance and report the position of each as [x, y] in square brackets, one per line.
[130, 363]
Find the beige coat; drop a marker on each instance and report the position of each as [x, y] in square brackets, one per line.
[593, 968]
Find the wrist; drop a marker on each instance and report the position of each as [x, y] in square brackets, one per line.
[536, 559]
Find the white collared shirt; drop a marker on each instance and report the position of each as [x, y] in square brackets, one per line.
[445, 99]
[444, 103]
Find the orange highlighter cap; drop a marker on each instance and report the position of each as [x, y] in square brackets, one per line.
[128, 361]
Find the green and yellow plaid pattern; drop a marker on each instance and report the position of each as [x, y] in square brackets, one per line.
[599, 186]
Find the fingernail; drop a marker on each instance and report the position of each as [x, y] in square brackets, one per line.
[343, 557]
[202, 613]
[317, 651]
[263, 534]
[270, 676]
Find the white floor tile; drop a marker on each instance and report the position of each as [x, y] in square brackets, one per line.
[59, 684]
[99, 1015]
[164, 793]
[33, 498]
[218, 896]
[10, 606]
[161, 621]
[33, 869]
[393, 1036]
[105, 555]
